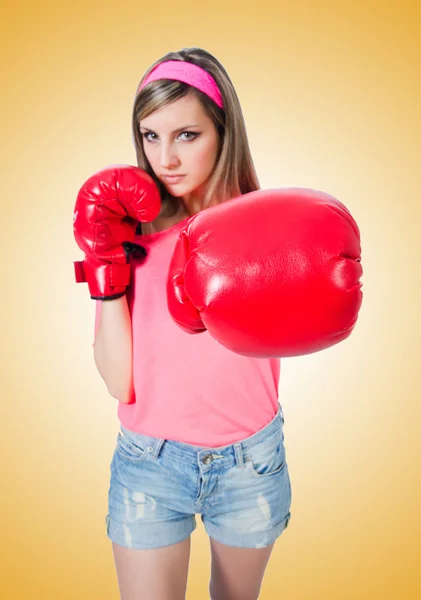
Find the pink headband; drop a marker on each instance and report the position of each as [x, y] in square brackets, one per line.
[186, 72]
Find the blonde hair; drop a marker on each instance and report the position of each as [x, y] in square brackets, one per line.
[234, 173]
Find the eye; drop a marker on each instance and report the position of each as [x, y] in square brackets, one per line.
[146, 134]
[189, 133]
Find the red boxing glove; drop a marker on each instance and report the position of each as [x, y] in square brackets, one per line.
[107, 209]
[272, 273]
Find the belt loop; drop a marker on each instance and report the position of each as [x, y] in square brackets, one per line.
[239, 458]
[281, 412]
[155, 448]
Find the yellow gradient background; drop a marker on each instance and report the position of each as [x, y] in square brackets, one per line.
[331, 96]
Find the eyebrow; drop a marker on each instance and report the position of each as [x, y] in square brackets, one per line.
[175, 130]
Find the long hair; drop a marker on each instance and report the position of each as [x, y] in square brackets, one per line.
[234, 173]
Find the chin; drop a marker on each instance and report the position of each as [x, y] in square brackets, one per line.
[179, 191]
[176, 193]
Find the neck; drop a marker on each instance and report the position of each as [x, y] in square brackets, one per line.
[192, 204]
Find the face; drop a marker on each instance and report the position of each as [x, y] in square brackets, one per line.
[180, 142]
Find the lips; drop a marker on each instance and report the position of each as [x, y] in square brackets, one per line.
[172, 178]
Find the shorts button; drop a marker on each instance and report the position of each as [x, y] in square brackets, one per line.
[207, 459]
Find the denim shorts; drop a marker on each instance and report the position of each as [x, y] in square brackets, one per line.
[241, 491]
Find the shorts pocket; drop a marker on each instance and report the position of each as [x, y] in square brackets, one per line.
[266, 460]
[131, 449]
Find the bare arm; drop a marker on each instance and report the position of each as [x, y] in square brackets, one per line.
[113, 349]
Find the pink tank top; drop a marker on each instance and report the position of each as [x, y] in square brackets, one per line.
[188, 387]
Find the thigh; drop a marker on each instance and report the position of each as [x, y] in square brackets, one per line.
[250, 505]
[149, 506]
[237, 573]
[153, 574]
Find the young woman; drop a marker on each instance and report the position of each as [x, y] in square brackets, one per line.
[201, 427]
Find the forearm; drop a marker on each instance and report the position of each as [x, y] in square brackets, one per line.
[113, 349]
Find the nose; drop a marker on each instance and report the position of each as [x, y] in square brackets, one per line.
[168, 157]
